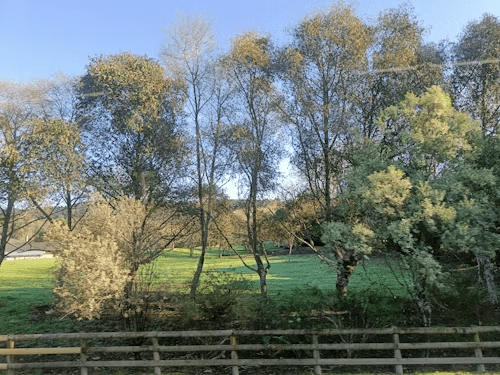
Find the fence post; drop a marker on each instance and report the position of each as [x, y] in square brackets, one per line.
[479, 353]
[234, 355]
[397, 353]
[10, 358]
[317, 368]
[156, 355]
[83, 358]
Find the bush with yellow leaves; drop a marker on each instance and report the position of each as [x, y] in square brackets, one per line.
[93, 273]
[106, 262]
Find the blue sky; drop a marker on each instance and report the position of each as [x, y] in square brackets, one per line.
[39, 38]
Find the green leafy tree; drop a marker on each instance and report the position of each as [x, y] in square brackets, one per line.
[189, 53]
[425, 132]
[411, 220]
[476, 91]
[255, 131]
[320, 69]
[130, 111]
[22, 184]
[474, 193]
[425, 138]
[392, 188]
[476, 74]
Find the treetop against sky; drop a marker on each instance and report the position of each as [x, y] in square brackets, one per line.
[38, 39]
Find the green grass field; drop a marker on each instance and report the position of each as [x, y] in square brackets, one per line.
[26, 284]
[287, 272]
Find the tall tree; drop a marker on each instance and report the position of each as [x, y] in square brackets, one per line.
[189, 53]
[408, 205]
[475, 79]
[475, 194]
[256, 128]
[393, 189]
[319, 73]
[130, 111]
[400, 62]
[59, 138]
[61, 160]
[21, 183]
[476, 91]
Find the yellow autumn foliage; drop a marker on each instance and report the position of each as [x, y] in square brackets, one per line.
[100, 260]
[93, 272]
[337, 35]
[251, 49]
[389, 191]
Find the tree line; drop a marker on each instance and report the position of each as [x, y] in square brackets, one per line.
[394, 142]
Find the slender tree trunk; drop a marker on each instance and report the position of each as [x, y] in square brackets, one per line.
[262, 272]
[203, 217]
[69, 208]
[253, 236]
[196, 277]
[205, 207]
[343, 276]
[326, 153]
[328, 199]
[6, 226]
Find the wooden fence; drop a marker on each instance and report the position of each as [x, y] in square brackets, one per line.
[396, 347]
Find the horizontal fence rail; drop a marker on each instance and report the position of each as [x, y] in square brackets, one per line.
[396, 347]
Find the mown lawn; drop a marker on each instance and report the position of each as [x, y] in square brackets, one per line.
[176, 270]
[26, 284]
[287, 273]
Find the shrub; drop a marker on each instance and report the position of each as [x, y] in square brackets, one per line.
[304, 299]
[219, 294]
[268, 314]
[107, 261]
[92, 276]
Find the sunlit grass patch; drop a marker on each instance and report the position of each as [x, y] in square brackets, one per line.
[176, 268]
[26, 273]
[24, 285]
